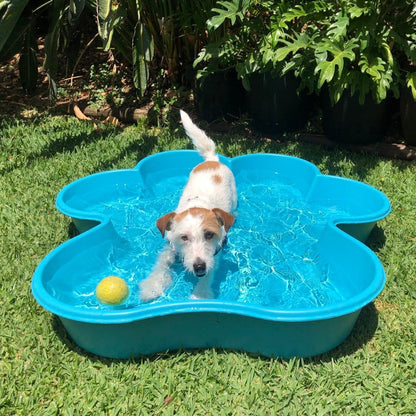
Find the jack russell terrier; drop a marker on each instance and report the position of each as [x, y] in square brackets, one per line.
[197, 229]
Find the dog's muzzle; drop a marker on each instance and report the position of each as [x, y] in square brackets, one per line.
[200, 267]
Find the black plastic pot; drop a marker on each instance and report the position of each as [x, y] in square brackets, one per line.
[274, 104]
[350, 122]
[408, 116]
[220, 95]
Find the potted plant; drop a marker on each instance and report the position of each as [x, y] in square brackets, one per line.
[408, 110]
[407, 53]
[218, 91]
[348, 51]
[238, 29]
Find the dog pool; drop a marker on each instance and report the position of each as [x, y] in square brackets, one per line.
[292, 278]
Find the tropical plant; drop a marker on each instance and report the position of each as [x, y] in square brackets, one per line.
[152, 35]
[355, 45]
[16, 35]
[234, 31]
[12, 26]
[19, 28]
[64, 19]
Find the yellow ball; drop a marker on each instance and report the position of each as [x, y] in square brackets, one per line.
[112, 290]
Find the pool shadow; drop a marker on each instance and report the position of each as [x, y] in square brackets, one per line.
[362, 333]
[72, 346]
[376, 239]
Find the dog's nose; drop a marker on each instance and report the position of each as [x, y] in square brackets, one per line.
[200, 267]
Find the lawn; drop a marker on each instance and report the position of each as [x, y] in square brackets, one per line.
[42, 372]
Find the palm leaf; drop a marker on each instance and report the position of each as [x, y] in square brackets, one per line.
[142, 55]
[28, 64]
[51, 45]
[11, 12]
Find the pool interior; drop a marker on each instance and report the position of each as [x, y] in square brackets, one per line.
[271, 258]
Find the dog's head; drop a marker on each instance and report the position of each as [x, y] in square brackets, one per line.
[196, 235]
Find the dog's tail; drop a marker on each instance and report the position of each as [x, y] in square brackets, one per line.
[204, 145]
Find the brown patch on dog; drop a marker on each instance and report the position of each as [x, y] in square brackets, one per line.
[163, 223]
[226, 218]
[216, 178]
[210, 221]
[209, 164]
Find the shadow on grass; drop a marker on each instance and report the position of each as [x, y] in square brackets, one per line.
[362, 333]
[65, 144]
[377, 239]
[140, 148]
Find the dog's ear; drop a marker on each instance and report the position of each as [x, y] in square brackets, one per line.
[163, 223]
[225, 219]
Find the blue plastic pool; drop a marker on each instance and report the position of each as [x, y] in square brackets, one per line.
[292, 280]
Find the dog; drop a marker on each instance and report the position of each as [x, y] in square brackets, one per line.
[197, 229]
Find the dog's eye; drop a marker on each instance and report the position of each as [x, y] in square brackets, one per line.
[209, 235]
[184, 237]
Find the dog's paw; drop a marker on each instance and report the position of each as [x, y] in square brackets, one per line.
[149, 290]
[154, 286]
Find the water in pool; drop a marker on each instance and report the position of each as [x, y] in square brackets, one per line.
[270, 258]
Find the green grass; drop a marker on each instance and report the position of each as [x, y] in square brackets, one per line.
[42, 372]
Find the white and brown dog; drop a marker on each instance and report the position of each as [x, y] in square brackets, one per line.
[198, 227]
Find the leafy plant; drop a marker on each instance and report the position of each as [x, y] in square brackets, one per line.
[363, 46]
[234, 31]
[64, 18]
[346, 45]
[152, 35]
[17, 36]
[11, 25]
[148, 35]
[19, 28]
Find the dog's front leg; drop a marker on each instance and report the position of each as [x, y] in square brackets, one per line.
[160, 278]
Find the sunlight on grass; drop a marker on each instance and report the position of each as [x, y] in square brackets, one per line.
[42, 372]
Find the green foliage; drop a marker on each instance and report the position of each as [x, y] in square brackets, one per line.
[16, 35]
[143, 51]
[411, 83]
[234, 31]
[343, 44]
[153, 35]
[326, 68]
[10, 12]
[148, 35]
[109, 17]
[18, 20]
[28, 64]
[232, 10]
[361, 46]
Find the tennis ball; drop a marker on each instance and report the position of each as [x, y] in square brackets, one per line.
[112, 290]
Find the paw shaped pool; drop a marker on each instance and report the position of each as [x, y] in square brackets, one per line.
[292, 279]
